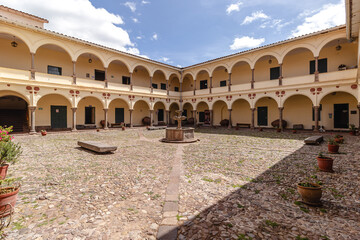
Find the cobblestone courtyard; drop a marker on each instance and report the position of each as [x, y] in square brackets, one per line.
[232, 185]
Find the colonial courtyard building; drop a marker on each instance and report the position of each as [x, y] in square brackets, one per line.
[52, 81]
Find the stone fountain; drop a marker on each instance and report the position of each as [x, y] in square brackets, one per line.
[179, 134]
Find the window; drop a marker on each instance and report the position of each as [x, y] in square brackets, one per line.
[274, 73]
[163, 86]
[203, 84]
[223, 83]
[176, 89]
[322, 66]
[125, 80]
[90, 115]
[319, 113]
[99, 75]
[54, 70]
[154, 85]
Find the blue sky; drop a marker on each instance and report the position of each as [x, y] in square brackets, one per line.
[186, 32]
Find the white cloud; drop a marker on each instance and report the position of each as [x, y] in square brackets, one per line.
[145, 2]
[154, 37]
[79, 19]
[246, 42]
[329, 15]
[135, 20]
[235, 7]
[131, 5]
[255, 16]
[139, 37]
[165, 60]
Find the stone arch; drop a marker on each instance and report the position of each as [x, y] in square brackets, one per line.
[48, 41]
[258, 57]
[90, 101]
[220, 111]
[159, 108]
[174, 81]
[296, 60]
[159, 76]
[147, 103]
[112, 59]
[238, 99]
[219, 66]
[262, 66]
[4, 93]
[18, 34]
[120, 98]
[59, 94]
[326, 41]
[307, 46]
[202, 70]
[89, 51]
[294, 94]
[122, 115]
[169, 74]
[188, 83]
[158, 70]
[246, 60]
[142, 65]
[272, 108]
[189, 73]
[197, 105]
[262, 97]
[241, 111]
[14, 111]
[298, 109]
[90, 96]
[330, 91]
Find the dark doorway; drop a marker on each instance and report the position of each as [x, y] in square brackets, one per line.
[160, 115]
[341, 115]
[89, 115]
[262, 113]
[14, 112]
[207, 117]
[58, 117]
[119, 115]
[201, 117]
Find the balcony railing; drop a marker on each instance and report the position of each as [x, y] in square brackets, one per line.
[298, 80]
[118, 86]
[266, 84]
[219, 89]
[159, 92]
[14, 73]
[338, 75]
[90, 83]
[174, 94]
[202, 91]
[141, 89]
[50, 78]
[241, 87]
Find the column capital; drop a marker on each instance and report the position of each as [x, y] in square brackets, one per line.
[230, 109]
[281, 108]
[131, 110]
[32, 108]
[74, 109]
[105, 109]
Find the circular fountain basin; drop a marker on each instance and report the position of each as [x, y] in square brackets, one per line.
[179, 135]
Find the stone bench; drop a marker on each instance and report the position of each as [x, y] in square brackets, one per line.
[243, 125]
[98, 147]
[314, 140]
[156, 128]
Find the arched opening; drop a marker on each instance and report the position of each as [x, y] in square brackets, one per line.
[14, 112]
[188, 83]
[90, 111]
[141, 110]
[241, 112]
[241, 73]
[118, 72]
[174, 83]
[141, 77]
[173, 107]
[339, 55]
[338, 110]
[89, 66]
[267, 68]
[52, 59]
[220, 112]
[220, 77]
[298, 110]
[159, 80]
[202, 80]
[297, 62]
[266, 112]
[159, 114]
[16, 55]
[53, 113]
[118, 113]
[203, 113]
[188, 113]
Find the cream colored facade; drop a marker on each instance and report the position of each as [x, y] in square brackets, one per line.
[294, 96]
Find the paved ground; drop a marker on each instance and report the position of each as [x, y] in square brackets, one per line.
[231, 185]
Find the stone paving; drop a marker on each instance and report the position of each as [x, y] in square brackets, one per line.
[230, 185]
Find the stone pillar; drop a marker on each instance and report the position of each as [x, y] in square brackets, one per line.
[32, 119]
[131, 123]
[131, 84]
[316, 116]
[252, 78]
[151, 87]
[74, 72]
[281, 117]
[167, 87]
[229, 83]
[253, 118]
[106, 118]
[211, 118]
[151, 118]
[210, 85]
[32, 70]
[230, 124]
[281, 76]
[316, 69]
[358, 106]
[194, 116]
[194, 87]
[106, 81]
[74, 120]
[167, 117]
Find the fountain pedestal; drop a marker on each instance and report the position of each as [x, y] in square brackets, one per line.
[182, 135]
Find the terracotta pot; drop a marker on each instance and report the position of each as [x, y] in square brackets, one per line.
[310, 195]
[6, 200]
[237, 128]
[333, 148]
[43, 133]
[3, 171]
[294, 131]
[325, 164]
[339, 140]
[352, 133]
[123, 128]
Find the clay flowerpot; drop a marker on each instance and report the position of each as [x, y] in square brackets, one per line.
[98, 130]
[8, 196]
[333, 148]
[43, 133]
[310, 193]
[294, 131]
[339, 140]
[3, 171]
[123, 128]
[325, 164]
[237, 128]
[352, 133]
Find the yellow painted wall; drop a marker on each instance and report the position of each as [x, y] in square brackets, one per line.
[220, 75]
[187, 84]
[347, 55]
[173, 108]
[141, 77]
[18, 57]
[328, 107]
[189, 110]
[159, 78]
[298, 110]
[220, 112]
[202, 76]
[118, 103]
[201, 107]
[43, 117]
[174, 82]
[86, 102]
[241, 73]
[273, 111]
[158, 106]
[297, 63]
[116, 71]
[83, 66]
[45, 57]
[262, 68]
[141, 110]
[241, 112]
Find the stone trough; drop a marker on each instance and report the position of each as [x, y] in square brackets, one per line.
[182, 135]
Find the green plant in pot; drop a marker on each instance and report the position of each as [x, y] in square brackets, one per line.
[9, 189]
[9, 153]
[325, 163]
[352, 129]
[333, 146]
[310, 193]
[339, 138]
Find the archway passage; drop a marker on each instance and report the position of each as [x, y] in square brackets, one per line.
[188, 113]
[118, 113]
[141, 110]
[17, 56]
[298, 110]
[90, 113]
[266, 112]
[160, 114]
[173, 107]
[241, 112]
[203, 113]
[220, 112]
[14, 112]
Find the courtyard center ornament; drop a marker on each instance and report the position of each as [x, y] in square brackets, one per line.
[178, 117]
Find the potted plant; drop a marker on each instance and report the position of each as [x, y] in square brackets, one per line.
[43, 132]
[339, 139]
[294, 131]
[9, 154]
[352, 129]
[122, 126]
[325, 163]
[333, 146]
[310, 193]
[9, 189]
[5, 133]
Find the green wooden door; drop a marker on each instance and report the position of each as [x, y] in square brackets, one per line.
[58, 117]
[119, 115]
